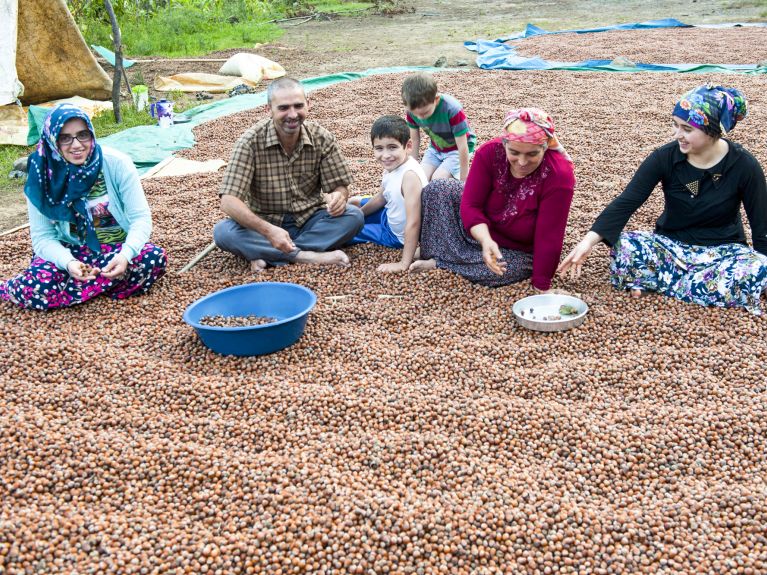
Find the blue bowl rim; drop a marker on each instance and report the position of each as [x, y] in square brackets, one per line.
[197, 325]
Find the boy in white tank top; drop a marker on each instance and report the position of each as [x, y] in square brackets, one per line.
[393, 215]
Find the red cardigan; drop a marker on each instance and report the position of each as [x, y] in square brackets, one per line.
[527, 214]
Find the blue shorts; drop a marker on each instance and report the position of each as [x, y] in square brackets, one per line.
[376, 230]
[449, 161]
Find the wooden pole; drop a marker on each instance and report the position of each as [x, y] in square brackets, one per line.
[118, 72]
[196, 259]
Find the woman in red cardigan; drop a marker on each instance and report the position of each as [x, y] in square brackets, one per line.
[508, 222]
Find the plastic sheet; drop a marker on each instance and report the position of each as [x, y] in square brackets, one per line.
[497, 55]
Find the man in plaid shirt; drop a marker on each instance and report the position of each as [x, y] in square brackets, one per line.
[285, 189]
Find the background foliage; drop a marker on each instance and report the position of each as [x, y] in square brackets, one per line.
[191, 27]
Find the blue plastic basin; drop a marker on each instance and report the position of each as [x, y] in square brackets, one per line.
[289, 303]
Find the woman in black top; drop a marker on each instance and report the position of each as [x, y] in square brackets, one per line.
[698, 251]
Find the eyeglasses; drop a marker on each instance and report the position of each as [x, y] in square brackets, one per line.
[66, 139]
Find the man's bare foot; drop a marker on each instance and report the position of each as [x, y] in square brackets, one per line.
[257, 266]
[335, 258]
[423, 265]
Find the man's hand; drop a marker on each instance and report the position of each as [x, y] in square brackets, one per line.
[116, 267]
[280, 239]
[82, 271]
[336, 203]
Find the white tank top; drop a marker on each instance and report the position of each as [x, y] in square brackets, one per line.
[395, 201]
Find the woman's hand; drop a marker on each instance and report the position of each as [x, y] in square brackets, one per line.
[492, 257]
[82, 271]
[393, 268]
[116, 267]
[491, 254]
[577, 257]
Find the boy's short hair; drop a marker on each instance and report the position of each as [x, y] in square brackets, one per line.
[390, 127]
[418, 90]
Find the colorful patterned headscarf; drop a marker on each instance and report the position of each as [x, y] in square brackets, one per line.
[713, 109]
[531, 126]
[57, 188]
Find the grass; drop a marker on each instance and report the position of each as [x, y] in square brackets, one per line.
[181, 31]
[8, 155]
[336, 7]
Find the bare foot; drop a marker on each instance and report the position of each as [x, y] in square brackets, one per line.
[257, 266]
[423, 265]
[335, 258]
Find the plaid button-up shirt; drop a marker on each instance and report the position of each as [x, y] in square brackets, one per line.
[273, 184]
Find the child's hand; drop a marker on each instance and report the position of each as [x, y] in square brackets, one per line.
[392, 268]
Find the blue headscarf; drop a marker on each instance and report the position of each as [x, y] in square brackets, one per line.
[713, 109]
[57, 188]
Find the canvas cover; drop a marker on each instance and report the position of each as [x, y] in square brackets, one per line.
[49, 56]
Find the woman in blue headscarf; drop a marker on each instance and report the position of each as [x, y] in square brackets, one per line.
[698, 251]
[88, 219]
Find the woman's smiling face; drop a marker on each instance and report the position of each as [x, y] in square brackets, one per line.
[691, 140]
[523, 158]
[75, 152]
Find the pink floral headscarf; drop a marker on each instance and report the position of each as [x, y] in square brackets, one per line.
[532, 126]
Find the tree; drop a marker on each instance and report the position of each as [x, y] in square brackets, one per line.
[118, 73]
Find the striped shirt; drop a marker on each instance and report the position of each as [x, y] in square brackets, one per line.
[272, 184]
[446, 124]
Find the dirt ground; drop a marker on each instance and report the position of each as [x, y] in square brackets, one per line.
[421, 34]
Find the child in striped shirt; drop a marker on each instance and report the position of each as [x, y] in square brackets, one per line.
[442, 118]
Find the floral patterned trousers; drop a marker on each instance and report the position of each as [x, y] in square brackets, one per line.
[44, 286]
[729, 275]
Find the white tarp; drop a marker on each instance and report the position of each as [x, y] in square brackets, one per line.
[10, 87]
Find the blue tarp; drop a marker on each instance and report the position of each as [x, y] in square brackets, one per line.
[497, 55]
[533, 30]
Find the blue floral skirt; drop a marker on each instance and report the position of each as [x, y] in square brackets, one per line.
[729, 275]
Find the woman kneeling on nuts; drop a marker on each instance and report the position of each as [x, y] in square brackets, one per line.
[698, 251]
[88, 219]
[508, 222]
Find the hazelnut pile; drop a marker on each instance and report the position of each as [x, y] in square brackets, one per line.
[86, 269]
[415, 428]
[236, 320]
[652, 46]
